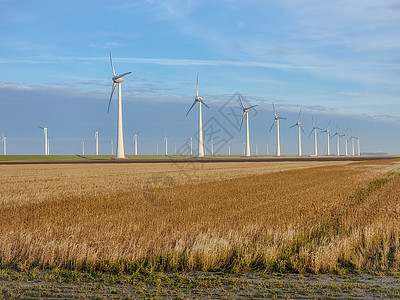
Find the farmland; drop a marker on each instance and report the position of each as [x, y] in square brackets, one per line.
[286, 217]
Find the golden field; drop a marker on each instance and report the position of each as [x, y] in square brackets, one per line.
[273, 216]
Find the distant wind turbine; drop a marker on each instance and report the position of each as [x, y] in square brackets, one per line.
[166, 144]
[135, 142]
[118, 79]
[112, 147]
[327, 133]
[83, 146]
[191, 145]
[246, 114]
[276, 120]
[345, 142]
[4, 141]
[352, 144]
[315, 136]
[45, 139]
[200, 100]
[48, 146]
[337, 134]
[96, 138]
[358, 146]
[300, 130]
[229, 147]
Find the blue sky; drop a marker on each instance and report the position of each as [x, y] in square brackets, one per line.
[335, 60]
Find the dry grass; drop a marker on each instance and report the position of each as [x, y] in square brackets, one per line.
[309, 217]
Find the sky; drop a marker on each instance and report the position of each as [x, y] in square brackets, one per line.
[337, 61]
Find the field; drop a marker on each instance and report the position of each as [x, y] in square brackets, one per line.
[287, 217]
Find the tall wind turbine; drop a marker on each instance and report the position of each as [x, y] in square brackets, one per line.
[246, 114]
[337, 134]
[48, 146]
[327, 133]
[4, 141]
[96, 138]
[45, 139]
[118, 79]
[200, 100]
[276, 120]
[314, 128]
[191, 145]
[229, 147]
[300, 130]
[358, 146]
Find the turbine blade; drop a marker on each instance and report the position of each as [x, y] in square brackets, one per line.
[242, 121]
[112, 66]
[273, 107]
[205, 104]
[273, 123]
[298, 118]
[241, 103]
[302, 129]
[112, 91]
[311, 132]
[293, 125]
[40, 127]
[282, 118]
[252, 106]
[194, 102]
[122, 75]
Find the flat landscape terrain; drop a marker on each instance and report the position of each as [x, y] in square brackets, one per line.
[214, 227]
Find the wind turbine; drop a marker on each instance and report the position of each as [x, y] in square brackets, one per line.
[118, 79]
[300, 130]
[212, 146]
[166, 144]
[352, 144]
[327, 133]
[135, 141]
[83, 146]
[4, 141]
[191, 145]
[112, 147]
[276, 120]
[229, 147]
[96, 138]
[345, 142]
[256, 148]
[200, 100]
[48, 146]
[337, 134]
[314, 128]
[358, 146]
[246, 114]
[45, 139]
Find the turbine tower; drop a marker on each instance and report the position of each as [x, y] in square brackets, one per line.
[327, 133]
[48, 146]
[200, 100]
[345, 142]
[83, 146]
[135, 142]
[352, 144]
[4, 141]
[229, 147]
[300, 130]
[118, 79]
[246, 114]
[166, 144]
[96, 138]
[191, 145]
[112, 147]
[314, 128]
[45, 139]
[276, 120]
[337, 134]
[358, 146]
